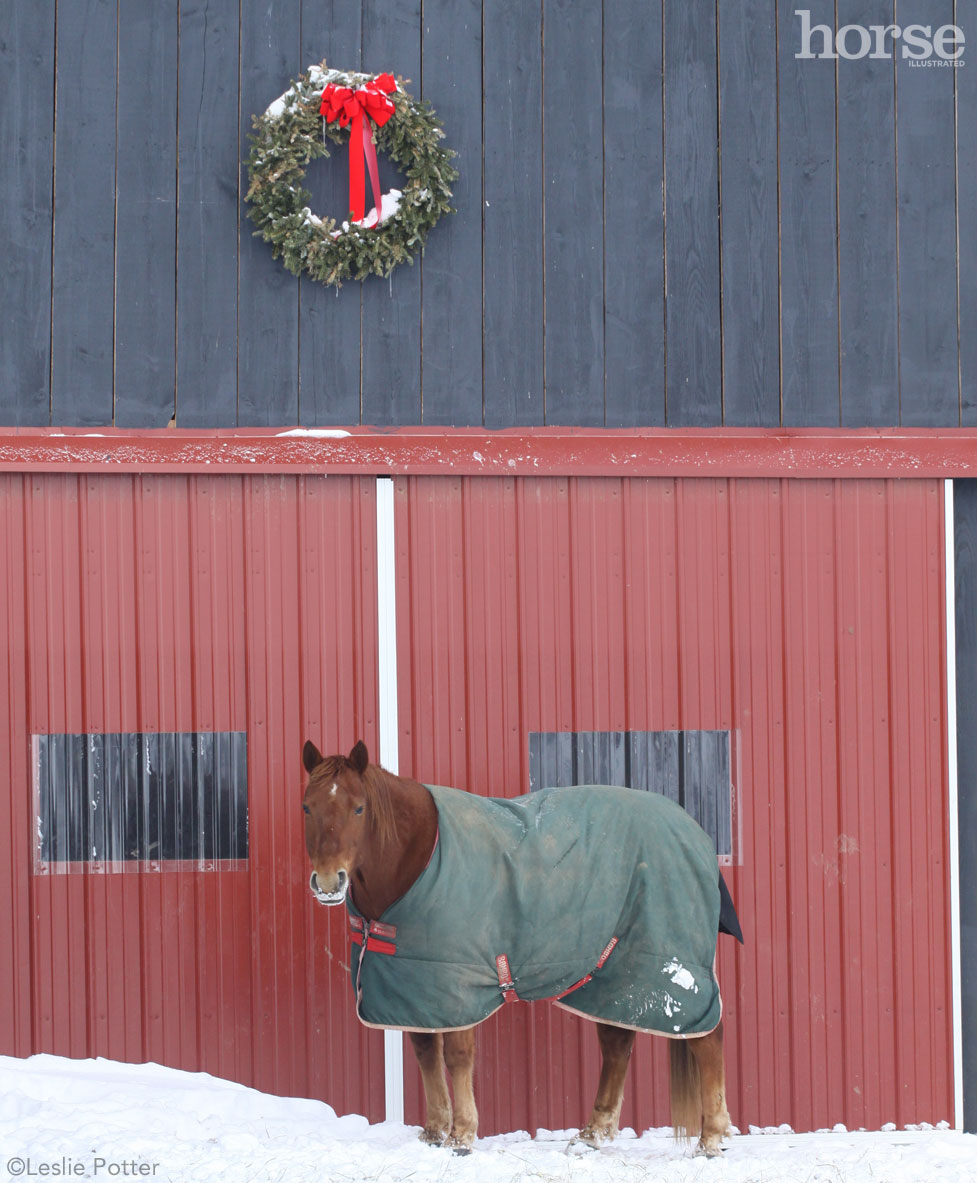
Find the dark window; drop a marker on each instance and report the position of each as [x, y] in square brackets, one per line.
[691, 767]
[150, 798]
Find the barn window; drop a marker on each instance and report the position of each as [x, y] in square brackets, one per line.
[154, 799]
[693, 768]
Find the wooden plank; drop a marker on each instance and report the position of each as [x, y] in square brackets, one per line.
[928, 379]
[513, 195]
[634, 217]
[145, 266]
[749, 229]
[329, 321]
[867, 228]
[965, 542]
[966, 151]
[810, 390]
[392, 307]
[26, 212]
[84, 229]
[268, 305]
[573, 219]
[585, 758]
[452, 267]
[692, 325]
[207, 220]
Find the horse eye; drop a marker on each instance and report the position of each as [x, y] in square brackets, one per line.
[358, 810]
[305, 807]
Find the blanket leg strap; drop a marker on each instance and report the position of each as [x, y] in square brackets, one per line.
[506, 984]
[601, 962]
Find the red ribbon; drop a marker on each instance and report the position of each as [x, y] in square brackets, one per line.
[358, 107]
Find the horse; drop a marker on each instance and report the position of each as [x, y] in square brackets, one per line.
[373, 840]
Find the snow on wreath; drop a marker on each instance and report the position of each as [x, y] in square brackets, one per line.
[366, 112]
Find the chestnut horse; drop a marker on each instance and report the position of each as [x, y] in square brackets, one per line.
[369, 836]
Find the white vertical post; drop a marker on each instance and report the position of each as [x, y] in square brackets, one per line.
[953, 820]
[393, 1041]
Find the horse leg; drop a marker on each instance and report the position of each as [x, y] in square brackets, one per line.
[429, 1050]
[708, 1052]
[459, 1058]
[616, 1044]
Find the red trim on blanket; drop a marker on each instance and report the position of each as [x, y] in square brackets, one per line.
[437, 839]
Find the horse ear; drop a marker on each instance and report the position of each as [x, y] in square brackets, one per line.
[311, 756]
[359, 757]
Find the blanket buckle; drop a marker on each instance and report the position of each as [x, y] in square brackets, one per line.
[381, 938]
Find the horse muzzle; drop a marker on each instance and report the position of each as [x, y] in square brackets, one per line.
[330, 898]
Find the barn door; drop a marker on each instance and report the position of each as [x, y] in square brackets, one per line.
[772, 651]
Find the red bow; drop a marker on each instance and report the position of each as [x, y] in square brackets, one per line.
[358, 107]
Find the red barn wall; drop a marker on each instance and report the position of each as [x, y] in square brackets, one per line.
[806, 617]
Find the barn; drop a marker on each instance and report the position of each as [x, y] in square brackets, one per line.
[656, 468]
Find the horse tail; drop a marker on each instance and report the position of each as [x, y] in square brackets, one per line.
[686, 1097]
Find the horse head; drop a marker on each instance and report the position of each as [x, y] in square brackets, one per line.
[336, 823]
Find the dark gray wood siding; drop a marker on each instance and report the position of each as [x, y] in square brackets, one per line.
[664, 217]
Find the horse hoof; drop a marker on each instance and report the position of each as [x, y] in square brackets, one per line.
[433, 1137]
[590, 1138]
[457, 1146]
[703, 1150]
[578, 1146]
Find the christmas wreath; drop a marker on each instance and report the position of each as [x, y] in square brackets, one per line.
[367, 112]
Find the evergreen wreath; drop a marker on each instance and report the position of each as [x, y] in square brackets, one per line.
[292, 132]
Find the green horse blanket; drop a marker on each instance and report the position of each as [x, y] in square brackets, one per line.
[604, 899]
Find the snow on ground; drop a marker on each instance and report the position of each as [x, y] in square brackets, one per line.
[97, 1119]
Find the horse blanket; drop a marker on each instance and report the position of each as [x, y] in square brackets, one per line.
[605, 899]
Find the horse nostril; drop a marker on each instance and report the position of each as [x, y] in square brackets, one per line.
[314, 882]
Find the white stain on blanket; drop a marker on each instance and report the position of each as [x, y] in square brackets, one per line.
[680, 976]
[672, 1006]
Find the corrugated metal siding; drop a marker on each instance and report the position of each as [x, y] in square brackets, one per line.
[188, 604]
[804, 617]
[808, 618]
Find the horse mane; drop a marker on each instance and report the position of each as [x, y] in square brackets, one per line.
[377, 783]
[380, 801]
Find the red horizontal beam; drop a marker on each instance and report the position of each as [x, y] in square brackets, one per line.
[673, 452]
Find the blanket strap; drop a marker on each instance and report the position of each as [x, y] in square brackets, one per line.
[508, 987]
[506, 984]
[601, 962]
[380, 938]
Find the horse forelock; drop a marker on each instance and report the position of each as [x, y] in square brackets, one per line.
[376, 790]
